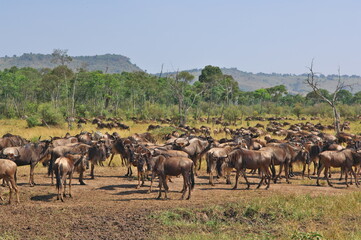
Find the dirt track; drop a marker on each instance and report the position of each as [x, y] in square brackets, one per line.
[109, 207]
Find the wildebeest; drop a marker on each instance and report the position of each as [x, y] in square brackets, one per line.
[343, 159]
[195, 147]
[173, 166]
[31, 154]
[213, 156]
[242, 159]
[59, 151]
[97, 153]
[65, 166]
[8, 172]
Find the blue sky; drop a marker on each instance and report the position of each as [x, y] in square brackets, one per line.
[254, 36]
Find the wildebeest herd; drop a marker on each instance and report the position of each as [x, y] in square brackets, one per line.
[182, 152]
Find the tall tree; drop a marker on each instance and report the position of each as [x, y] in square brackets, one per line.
[313, 82]
[210, 77]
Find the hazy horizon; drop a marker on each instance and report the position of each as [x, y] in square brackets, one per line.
[259, 36]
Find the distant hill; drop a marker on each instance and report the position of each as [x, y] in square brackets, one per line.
[294, 83]
[113, 63]
[110, 63]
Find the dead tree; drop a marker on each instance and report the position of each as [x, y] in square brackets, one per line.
[314, 84]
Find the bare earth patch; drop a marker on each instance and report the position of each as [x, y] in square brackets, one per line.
[109, 207]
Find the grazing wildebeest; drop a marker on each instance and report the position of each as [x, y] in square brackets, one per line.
[65, 166]
[343, 159]
[97, 153]
[242, 159]
[173, 166]
[213, 156]
[31, 154]
[8, 172]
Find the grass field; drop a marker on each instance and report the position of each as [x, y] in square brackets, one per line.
[110, 207]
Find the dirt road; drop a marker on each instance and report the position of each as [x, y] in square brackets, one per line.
[110, 207]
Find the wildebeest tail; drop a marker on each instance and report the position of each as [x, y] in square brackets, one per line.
[58, 177]
[16, 181]
[192, 178]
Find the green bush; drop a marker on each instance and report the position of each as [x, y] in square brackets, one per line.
[50, 115]
[33, 121]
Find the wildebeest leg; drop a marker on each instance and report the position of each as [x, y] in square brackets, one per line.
[62, 188]
[211, 178]
[287, 172]
[6, 179]
[228, 176]
[243, 171]
[81, 175]
[92, 171]
[185, 184]
[1, 198]
[319, 173]
[166, 188]
[160, 187]
[70, 178]
[315, 165]
[15, 187]
[303, 170]
[111, 159]
[31, 181]
[262, 179]
[327, 176]
[236, 184]
[3, 184]
[355, 176]
[342, 170]
[268, 176]
[151, 183]
[279, 174]
[195, 167]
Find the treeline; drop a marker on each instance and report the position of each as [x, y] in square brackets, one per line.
[54, 94]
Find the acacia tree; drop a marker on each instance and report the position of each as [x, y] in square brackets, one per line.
[332, 100]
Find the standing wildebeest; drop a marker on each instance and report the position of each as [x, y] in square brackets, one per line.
[314, 150]
[97, 153]
[59, 151]
[8, 173]
[343, 159]
[31, 154]
[173, 166]
[213, 156]
[65, 166]
[242, 159]
[195, 147]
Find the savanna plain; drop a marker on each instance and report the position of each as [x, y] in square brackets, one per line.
[110, 206]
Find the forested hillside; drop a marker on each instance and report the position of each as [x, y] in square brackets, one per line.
[110, 63]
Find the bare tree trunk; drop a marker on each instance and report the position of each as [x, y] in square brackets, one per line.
[336, 116]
